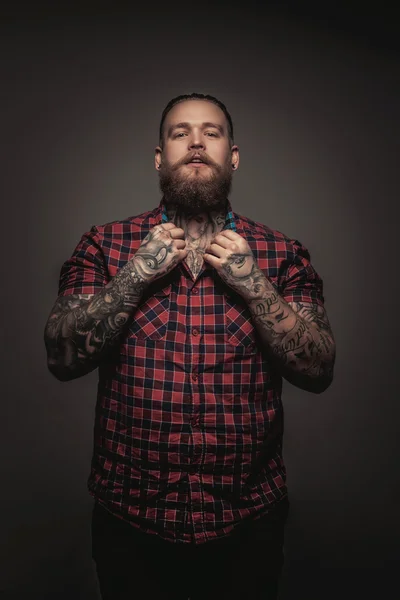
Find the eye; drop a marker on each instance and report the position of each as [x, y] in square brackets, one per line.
[151, 262]
[179, 134]
[212, 134]
[239, 260]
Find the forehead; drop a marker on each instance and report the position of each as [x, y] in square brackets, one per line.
[195, 112]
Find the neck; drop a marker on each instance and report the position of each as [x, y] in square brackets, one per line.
[197, 225]
[200, 229]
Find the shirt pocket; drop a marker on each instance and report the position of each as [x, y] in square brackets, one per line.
[240, 330]
[150, 321]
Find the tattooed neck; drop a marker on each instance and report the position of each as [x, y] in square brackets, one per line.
[199, 230]
[197, 227]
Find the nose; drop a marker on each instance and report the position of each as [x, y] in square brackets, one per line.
[195, 141]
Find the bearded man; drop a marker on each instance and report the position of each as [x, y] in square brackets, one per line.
[192, 315]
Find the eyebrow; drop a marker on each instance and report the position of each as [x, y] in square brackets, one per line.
[185, 125]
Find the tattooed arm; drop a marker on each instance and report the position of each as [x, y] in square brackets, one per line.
[81, 328]
[296, 335]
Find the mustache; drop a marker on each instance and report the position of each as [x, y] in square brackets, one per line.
[198, 154]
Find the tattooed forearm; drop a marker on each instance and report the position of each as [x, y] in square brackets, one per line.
[297, 335]
[82, 327]
[300, 347]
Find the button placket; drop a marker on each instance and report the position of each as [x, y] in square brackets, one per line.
[195, 337]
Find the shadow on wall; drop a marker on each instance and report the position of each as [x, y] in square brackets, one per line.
[52, 560]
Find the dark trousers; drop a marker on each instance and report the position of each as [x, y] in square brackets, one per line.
[245, 565]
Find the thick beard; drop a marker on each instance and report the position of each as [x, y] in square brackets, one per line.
[196, 193]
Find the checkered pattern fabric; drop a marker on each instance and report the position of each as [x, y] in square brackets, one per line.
[189, 418]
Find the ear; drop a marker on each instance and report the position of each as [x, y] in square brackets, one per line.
[157, 157]
[235, 157]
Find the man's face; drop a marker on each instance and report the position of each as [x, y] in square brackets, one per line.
[195, 163]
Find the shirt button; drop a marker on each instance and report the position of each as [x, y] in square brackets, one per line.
[195, 332]
[194, 376]
[195, 291]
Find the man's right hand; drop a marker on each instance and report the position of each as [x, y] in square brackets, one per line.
[161, 250]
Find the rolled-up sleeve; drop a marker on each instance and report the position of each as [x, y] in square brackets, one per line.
[85, 272]
[299, 281]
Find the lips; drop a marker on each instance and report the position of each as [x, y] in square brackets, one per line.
[196, 159]
[197, 164]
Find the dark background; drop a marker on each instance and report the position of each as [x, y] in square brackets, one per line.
[314, 96]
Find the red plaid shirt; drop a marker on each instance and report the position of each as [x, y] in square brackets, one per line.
[189, 418]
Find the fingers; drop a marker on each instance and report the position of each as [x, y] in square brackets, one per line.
[221, 240]
[180, 244]
[229, 234]
[177, 233]
[212, 260]
[167, 226]
[216, 250]
[174, 231]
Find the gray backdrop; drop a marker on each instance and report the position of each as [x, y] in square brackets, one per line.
[315, 111]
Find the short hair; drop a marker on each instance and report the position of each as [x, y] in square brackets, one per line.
[195, 96]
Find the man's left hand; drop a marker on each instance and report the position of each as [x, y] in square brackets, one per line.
[231, 256]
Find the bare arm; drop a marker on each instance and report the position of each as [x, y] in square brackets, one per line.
[82, 328]
[298, 337]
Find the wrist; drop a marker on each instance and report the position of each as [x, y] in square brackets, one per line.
[257, 288]
[138, 274]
